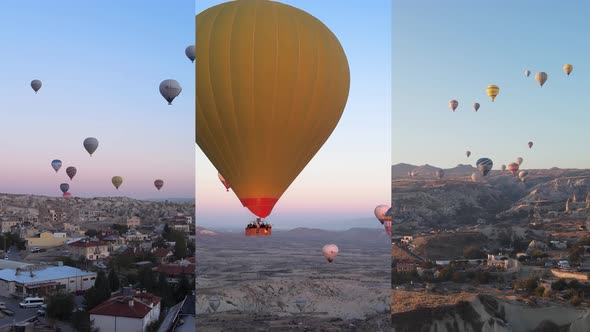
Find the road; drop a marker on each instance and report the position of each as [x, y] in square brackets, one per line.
[19, 314]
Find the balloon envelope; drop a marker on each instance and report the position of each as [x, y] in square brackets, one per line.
[503, 168]
[513, 168]
[330, 251]
[476, 176]
[190, 52]
[91, 144]
[484, 165]
[56, 164]
[519, 160]
[380, 212]
[468, 153]
[453, 104]
[159, 184]
[527, 73]
[530, 144]
[492, 91]
[225, 184]
[387, 226]
[476, 106]
[71, 172]
[170, 89]
[64, 187]
[67, 195]
[541, 78]
[439, 173]
[271, 88]
[567, 68]
[36, 85]
[117, 181]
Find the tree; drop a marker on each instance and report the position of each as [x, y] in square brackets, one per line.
[60, 306]
[81, 322]
[473, 252]
[101, 284]
[147, 279]
[113, 281]
[180, 249]
[91, 232]
[183, 289]
[559, 285]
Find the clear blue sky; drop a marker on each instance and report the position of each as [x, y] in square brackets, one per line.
[101, 63]
[350, 175]
[445, 50]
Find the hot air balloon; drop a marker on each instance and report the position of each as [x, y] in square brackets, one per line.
[476, 176]
[388, 228]
[530, 144]
[527, 73]
[67, 195]
[380, 211]
[56, 164]
[513, 168]
[439, 173]
[64, 187]
[71, 172]
[159, 184]
[272, 101]
[214, 303]
[36, 85]
[91, 144]
[468, 153]
[541, 78]
[453, 104]
[117, 181]
[522, 175]
[190, 52]
[476, 106]
[492, 91]
[414, 173]
[503, 168]
[170, 89]
[225, 184]
[519, 160]
[300, 303]
[330, 252]
[484, 165]
[567, 68]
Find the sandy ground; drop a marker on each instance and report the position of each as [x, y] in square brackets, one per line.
[259, 280]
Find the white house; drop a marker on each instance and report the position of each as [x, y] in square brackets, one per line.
[127, 311]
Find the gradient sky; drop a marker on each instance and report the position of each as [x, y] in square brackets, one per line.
[350, 174]
[101, 63]
[445, 50]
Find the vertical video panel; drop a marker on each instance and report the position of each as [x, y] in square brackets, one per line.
[490, 179]
[293, 134]
[97, 194]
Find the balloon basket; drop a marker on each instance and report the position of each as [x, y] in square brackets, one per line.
[262, 231]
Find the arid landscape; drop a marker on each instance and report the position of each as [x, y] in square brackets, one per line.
[283, 283]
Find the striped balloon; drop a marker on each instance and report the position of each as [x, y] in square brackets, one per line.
[387, 225]
[159, 184]
[380, 212]
[523, 175]
[453, 104]
[71, 172]
[492, 91]
[64, 187]
[513, 168]
[484, 165]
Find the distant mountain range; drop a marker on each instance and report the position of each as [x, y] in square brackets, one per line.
[178, 200]
[402, 170]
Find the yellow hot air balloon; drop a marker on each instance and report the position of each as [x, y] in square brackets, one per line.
[567, 68]
[272, 84]
[117, 181]
[492, 91]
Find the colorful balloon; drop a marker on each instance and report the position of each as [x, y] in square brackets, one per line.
[453, 104]
[476, 176]
[159, 184]
[190, 52]
[439, 173]
[272, 103]
[56, 165]
[541, 78]
[117, 181]
[91, 144]
[484, 165]
[513, 168]
[330, 251]
[67, 195]
[64, 187]
[71, 172]
[527, 73]
[519, 160]
[170, 89]
[567, 68]
[522, 175]
[36, 85]
[225, 184]
[492, 91]
[476, 106]
[380, 212]
[388, 228]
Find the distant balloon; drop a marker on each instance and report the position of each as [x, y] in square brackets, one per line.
[159, 184]
[64, 187]
[527, 73]
[225, 184]
[413, 173]
[476, 176]
[513, 168]
[56, 164]
[330, 252]
[541, 78]
[468, 153]
[439, 173]
[36, 85]
[453, 104]
[503, 168]
[530, 145]
[71, 172]
[91, 144]
[567, 68]
[476, 106]
[492, 91]
[522, 175]
[190, 52]
[117, 181]
[380, 211]
[170, 89]
[67, 195]
[519, 160]
[484, 165]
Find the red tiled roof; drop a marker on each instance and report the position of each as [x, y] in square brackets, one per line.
[87, 244]
[119, 306]
[162, 252]
[176, 270]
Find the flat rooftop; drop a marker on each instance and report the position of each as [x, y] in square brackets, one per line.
[47, 274]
